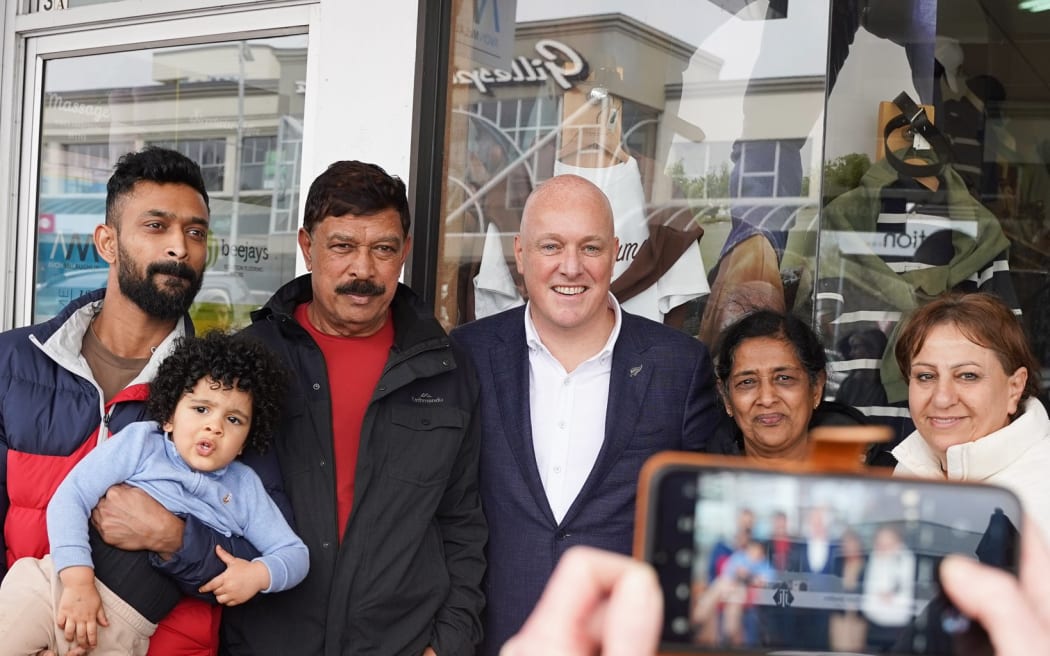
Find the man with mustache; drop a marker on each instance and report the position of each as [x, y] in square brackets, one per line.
[378, 445]
[71, 382]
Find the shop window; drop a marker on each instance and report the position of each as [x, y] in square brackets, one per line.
[963, 207]
[287, 161]
[698, 135]
[701, 170]
[210, 154]
[258, 157]
[186, 98]
[763, 123]
[86, 167]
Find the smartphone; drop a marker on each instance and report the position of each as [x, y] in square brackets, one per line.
[767, 561]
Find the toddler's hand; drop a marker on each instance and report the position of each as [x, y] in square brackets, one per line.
[241, 581]
[80, 611]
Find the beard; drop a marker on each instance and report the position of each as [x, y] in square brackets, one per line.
[161, 301]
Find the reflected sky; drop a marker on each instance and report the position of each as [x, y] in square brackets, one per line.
[803, 33]
[133, 68]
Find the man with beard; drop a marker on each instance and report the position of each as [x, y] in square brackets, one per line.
[69, 383]
[378, 444]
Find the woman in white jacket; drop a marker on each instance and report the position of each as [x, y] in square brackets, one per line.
[972, 393]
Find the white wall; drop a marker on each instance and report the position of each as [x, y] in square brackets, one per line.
[362, 69]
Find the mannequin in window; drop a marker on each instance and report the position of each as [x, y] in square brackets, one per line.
[748, 270]
[658, 268]
[910, 241]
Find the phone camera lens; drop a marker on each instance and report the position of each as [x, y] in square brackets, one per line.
[680, 625]
[684, 557]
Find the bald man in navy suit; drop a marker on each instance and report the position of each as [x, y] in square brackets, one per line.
[576, 394]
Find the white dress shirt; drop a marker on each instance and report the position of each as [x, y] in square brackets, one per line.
[568, 414]
[817, 552]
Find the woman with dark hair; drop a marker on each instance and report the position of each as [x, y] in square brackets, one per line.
[770, 369]
[972, 393]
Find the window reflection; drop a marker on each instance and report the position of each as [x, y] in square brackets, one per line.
[258, 161]
[763, 125]
[961, 208]
[210, 154]
[197, 100]
[691, 118]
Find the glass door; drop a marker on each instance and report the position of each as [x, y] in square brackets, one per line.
[232, 100]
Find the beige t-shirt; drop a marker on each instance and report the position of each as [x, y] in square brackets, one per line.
[112, 372]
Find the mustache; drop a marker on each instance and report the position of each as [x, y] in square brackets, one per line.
[178, 269]
[361, 288]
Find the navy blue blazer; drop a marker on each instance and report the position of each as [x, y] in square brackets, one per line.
[661, 396]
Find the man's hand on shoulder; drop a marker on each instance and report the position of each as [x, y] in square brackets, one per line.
[130, 519]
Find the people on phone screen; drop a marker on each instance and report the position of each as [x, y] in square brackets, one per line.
[598, 602]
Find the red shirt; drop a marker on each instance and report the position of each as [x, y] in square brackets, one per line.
[781, 552]
[354, 365]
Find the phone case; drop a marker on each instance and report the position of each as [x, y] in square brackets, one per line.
[896, 603]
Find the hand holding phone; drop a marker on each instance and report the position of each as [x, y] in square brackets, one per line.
[1016, 612]
[758, 560]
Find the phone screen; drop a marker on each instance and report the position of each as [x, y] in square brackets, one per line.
[765, 561]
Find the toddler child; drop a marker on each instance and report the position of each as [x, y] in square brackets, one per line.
[212, 397]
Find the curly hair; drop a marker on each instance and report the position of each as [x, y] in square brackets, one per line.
[234, 361]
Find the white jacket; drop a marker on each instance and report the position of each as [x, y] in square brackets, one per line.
[1016, 457]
